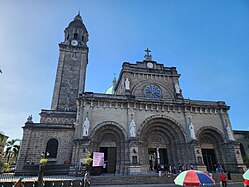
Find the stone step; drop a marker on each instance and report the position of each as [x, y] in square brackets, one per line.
[134, 179]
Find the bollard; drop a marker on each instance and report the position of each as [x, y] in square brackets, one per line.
[52, 183]
[62, 184]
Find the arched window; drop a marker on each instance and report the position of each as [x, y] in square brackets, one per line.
[75, 36]
[82, 38]
[52, 148]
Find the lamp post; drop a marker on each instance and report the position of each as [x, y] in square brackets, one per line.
[42, 163]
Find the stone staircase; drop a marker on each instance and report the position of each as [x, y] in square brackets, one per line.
[130, 179]
[147, 179]
[108, 179]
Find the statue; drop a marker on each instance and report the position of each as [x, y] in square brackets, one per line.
[191, 129]
[127, 84]
[177, 88]
[86, 125]
[30, 119]
[229, 132]
[132, 127]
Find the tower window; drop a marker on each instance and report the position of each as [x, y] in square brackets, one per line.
[75, 36]
[82, 38]
[67, 36]
[51, 149]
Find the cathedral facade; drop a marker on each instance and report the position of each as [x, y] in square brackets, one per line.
[142, 122]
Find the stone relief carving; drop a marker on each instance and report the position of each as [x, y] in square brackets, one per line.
[60, 120]
[30, 119]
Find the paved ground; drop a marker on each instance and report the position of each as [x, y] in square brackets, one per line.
[9, 178]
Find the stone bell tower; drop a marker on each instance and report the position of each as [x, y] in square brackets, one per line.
[71, 70]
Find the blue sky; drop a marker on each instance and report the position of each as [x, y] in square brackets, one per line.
[208, 42]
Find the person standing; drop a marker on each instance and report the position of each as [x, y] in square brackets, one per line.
[229, 178]
[87, 179]
[223, 179]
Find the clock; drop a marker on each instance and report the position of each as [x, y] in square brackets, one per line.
[152, 91]
[74, 42]
[149, 65]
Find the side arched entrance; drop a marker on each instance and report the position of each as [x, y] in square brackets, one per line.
[212, 147]
[109, 138]
[162, 142]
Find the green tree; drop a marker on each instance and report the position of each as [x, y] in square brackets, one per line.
[12, 149]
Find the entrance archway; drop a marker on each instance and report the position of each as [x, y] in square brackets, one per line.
[163, 142]
[109, 138]
[211, 141]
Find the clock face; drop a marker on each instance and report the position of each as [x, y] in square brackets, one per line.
[152, 91]
[149, 65]
[74, 42]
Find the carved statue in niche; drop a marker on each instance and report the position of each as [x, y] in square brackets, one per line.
[229, 132]
[86, 125]
[191, 129]
[177, 88]
[127, 84]
[132, 127]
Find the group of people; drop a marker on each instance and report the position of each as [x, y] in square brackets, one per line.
[169, 169]
[219, 168]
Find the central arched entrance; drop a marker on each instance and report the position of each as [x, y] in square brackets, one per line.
[163, 142]
[109, 138]
[157, 149]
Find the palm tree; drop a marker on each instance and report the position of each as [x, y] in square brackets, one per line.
[12, 149]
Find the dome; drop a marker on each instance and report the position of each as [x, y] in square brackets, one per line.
[110, 90]
[77, 23]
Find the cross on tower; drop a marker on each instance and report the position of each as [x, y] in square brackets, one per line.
[147, 51]
[147, 56]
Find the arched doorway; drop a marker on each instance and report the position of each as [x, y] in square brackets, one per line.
[109, 138]
[163, 142]
[211, 141]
